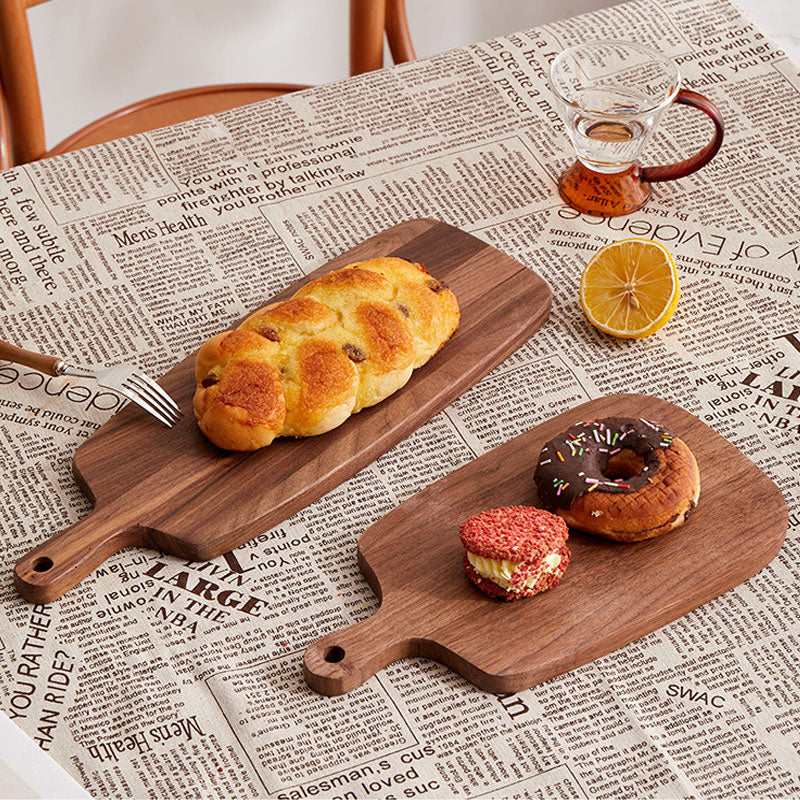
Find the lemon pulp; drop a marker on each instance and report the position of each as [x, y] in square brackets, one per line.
[630, 288]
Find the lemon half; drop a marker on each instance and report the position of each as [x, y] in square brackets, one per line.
[630, 288]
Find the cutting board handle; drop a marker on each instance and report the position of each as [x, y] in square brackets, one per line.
[55, 566]
[342, 661]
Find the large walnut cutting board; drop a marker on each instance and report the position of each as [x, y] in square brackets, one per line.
[175, 491]
[611, 593]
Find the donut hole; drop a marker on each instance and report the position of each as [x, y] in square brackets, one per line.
[624, 464]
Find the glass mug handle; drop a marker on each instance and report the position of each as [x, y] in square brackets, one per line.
[670, 172]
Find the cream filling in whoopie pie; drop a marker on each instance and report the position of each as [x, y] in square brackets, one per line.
[501, 572]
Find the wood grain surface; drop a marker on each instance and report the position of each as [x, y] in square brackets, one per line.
[611, 593]
[175, 491]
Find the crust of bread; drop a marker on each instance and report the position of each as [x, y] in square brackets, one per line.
[655, 509]
[245, 409]
[380, 330]
[341, 287]
[345, 341]
[320, 383]
[228, 346]
[291, 320]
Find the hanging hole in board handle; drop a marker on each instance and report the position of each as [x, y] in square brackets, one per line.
[57, 564]
[334, 654]
[342, 661]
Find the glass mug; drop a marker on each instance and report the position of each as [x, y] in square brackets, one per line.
[611, 96]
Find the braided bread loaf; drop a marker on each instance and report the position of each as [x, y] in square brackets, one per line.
[302, 366]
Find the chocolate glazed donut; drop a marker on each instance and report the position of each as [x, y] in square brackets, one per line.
[620, 478]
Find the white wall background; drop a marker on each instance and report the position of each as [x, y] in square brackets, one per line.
[94, 56]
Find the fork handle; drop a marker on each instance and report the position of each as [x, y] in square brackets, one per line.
[50, 365]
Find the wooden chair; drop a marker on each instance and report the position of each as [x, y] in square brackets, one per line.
[22, 136]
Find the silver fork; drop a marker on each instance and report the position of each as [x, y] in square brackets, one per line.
[133, 385]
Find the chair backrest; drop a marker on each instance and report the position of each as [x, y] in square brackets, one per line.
[368, 20]
[23, 105]
[22, 137]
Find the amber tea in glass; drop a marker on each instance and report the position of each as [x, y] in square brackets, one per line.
[611, 96]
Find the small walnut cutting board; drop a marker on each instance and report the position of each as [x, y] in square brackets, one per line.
[175, 491]
[611, 593]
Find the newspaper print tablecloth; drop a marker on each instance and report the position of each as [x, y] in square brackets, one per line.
[140, 684]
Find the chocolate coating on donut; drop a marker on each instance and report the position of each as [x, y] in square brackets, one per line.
[574, 462]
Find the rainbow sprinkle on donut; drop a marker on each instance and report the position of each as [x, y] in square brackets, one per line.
[577, 461]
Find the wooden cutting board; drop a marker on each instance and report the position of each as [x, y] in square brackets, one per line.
[611, 593]
[175, 491]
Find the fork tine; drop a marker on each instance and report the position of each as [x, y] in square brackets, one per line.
[144, 391]
[144, 388]
[135, 397]
[149, 382]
